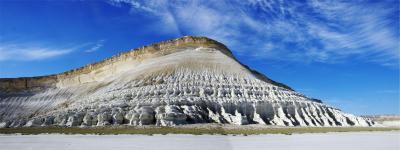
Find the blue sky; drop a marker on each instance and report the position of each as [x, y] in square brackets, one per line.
[345, 53]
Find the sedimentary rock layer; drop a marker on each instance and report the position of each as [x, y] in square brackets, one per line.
[183, 81]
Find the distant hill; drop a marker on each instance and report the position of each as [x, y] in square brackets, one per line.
[386, 120]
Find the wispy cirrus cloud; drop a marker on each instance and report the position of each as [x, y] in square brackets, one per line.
[96, 46]
[29, 51]
[311, 31]
[14, 52]
[159, 9]
[31, 54]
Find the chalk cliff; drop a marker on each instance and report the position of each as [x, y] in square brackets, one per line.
[183, 81]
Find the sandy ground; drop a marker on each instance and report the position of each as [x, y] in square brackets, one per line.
[325, 141]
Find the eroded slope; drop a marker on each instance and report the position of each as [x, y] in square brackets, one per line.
[182, 81]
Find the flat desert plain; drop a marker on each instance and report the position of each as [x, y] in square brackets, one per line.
[310, 141]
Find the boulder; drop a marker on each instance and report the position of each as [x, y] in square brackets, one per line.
[49, 120]
[87, 120]
[194, 114]
[237, 118]
[170, 115]
[35, 122]
[74, 120]
[4, 124]
[118, 118]
[141, 116]
[146, 116]
[61, 119]
[103, 119]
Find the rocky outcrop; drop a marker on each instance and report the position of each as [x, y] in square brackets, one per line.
[184, 81]
[75, 76]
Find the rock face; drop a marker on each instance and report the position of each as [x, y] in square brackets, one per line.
[183, 81]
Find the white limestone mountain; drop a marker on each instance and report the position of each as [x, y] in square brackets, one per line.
[183, 81]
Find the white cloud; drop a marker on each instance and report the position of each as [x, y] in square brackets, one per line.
[17, 51]
[96, 47]
[30, 53]
[157, 9]
[317, 31]
[364, 30]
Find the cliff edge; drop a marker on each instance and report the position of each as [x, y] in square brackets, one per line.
[158, 49]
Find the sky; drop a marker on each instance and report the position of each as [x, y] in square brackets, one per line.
[346, 53]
